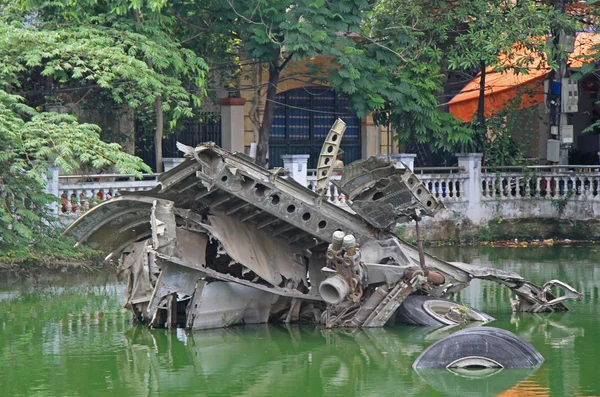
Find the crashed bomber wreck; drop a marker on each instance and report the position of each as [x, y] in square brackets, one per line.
[221, 241]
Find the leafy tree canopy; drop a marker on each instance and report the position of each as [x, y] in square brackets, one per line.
[361, 64]
[102, 46]
[29, 142]
[468, 37]
[124, 48]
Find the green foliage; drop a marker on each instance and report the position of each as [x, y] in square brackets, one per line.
[77, 44]
[442, 36]
[29, 143]
[497, 28]
[365, 59]
[561, 203]
[485, 234]
[48, 248]
[124, 50]
[502, 149]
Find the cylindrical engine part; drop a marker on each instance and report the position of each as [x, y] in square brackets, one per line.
[350, 245]
[337, 239]
[370, 304]
[435, 278]
[334, 290]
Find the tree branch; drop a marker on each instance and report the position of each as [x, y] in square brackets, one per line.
[191, 38]
[186, 22]
[285, 62]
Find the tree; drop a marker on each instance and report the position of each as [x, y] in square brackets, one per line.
[467, 36]
[286, 36]
[73, 55]
[279, 32]
[124, 47]
[481, 46]
[29, 142]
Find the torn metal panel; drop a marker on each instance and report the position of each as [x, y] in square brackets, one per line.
[328, 154]
[173, 279]
[115, 222]
[388, 306]
[389, 274]
[223, 304]
[257, 250]
[383, 194]
[287, 200]
[191, 247]
[163, 225]
[135, 268]
[210, 273]
[488, 273]
[529, 297]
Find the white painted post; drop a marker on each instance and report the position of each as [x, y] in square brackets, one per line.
[52, 187]
[471, 162]
[297, 166]
[406, 158]
[232, 124]
[171, 162]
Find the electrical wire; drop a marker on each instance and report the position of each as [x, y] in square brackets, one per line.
[311, 110]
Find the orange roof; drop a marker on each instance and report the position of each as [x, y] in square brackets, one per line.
[501, 87]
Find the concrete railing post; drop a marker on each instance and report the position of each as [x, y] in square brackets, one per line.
[297, 166]
[232, 124]
[52, 187]
[406, 158]
[471, 162]
[171, 162]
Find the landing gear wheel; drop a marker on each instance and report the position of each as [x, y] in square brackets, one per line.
[481, 348]
[435, 312]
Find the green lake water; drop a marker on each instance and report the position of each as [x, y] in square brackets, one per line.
[66, 334]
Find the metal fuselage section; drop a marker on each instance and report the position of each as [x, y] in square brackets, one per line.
[222, 241]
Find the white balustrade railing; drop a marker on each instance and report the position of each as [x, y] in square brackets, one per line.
[78, 193]
[552, 182]
[332, 194]
[446, 184]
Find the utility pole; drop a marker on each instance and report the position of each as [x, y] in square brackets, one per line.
[560, 136]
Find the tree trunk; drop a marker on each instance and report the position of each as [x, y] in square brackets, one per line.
[158, 134]
[480, 122]
[159, 127]
[262, 148]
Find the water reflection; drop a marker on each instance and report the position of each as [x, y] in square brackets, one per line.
[73, 338]
[566, 340]
[268, 360]
[480, 383]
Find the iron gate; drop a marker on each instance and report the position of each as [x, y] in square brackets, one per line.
[302, 120]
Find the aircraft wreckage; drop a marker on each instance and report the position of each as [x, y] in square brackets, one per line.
[222, 241]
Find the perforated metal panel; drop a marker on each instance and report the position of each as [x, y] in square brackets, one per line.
[302, 120]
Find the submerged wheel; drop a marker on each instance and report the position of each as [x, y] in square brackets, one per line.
[432, 311]
[480, 348]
